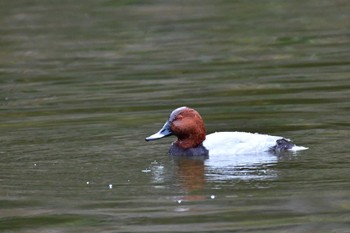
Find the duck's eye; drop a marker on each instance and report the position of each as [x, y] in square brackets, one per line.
[179, 117]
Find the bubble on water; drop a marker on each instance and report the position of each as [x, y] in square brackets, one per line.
[182, 209]
[146, 170]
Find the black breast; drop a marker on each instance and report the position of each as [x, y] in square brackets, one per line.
[197, 151]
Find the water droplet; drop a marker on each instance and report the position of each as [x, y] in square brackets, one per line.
[146, 170]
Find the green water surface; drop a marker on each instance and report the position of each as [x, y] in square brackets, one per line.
[82, 83]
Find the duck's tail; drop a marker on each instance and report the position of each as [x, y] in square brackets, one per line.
[286, 145]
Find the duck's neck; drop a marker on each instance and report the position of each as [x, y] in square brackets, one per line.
[200, 150]
[191, 140]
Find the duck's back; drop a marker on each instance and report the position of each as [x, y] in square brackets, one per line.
[239, 143]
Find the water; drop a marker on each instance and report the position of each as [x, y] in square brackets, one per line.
[83, 83]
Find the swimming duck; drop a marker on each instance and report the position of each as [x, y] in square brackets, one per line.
[188, 126]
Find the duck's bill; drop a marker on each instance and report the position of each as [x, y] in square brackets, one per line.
[163, 132]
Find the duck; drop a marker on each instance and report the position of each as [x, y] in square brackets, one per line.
[189, 128]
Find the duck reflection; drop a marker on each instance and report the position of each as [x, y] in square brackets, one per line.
[194, 172]
[249, 167]
[190, 171]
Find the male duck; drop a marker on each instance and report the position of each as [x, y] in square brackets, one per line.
[188, 126]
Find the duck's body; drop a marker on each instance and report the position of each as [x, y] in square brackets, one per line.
[246, 143]
[188, 126]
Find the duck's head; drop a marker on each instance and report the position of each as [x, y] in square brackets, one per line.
[186, 124]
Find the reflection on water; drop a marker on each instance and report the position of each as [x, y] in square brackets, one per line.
[190, 172]
[83, 82]
[254, 172]
[194, 172]
[242, 167]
